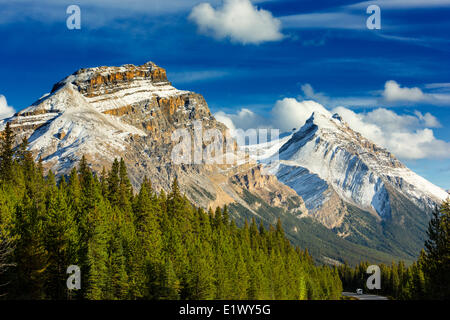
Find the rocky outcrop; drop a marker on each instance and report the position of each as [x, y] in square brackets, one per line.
[97, 81]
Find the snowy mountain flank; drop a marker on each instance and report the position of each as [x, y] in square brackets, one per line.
[326, 157]
[336, 192]
[352, 186]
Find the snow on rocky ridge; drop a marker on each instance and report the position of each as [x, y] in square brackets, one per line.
[85, 113]
[131, 112]
[326, 156]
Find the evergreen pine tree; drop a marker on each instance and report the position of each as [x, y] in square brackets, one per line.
[6, 153]
[59, 238]
[437, 254]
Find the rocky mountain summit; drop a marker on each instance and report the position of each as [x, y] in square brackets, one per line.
[132, 112]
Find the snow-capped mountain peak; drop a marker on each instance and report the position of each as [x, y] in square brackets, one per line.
[328, 155]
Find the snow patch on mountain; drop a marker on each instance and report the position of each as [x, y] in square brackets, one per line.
[263, 151]
[310, 186]
[72, 126]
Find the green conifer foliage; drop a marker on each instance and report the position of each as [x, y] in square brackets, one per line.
[139, 244]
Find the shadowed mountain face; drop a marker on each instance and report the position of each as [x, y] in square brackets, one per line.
[337, 193]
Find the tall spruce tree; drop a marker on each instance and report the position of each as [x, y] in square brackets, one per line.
[437, 253]
[6, 153]
[60, 238]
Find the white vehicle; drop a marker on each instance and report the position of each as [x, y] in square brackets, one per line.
[359, 291]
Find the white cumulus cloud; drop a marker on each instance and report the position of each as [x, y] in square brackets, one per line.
[243, 119]
[428, 119]
[5, 110]
[238, 20]
[394, 92]
[290, 113]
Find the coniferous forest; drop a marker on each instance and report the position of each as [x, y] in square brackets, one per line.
[427, 278]
[146, 245]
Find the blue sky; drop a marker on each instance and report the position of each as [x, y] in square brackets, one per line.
[392, 84]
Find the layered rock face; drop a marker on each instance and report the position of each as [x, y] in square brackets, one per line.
[131, 112]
